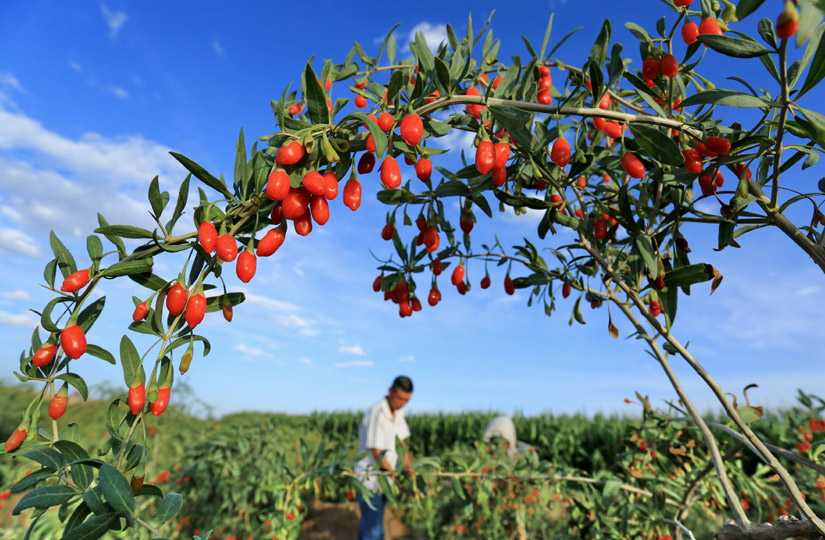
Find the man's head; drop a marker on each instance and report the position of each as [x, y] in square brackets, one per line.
[400, 392]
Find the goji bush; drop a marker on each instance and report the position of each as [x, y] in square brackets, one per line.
[619, 155]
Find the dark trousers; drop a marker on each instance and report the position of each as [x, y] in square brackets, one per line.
[372, 519]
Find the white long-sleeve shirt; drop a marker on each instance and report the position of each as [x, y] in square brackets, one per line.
[378, 430]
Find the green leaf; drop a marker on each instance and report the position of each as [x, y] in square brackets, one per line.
[124, 231]
[169, 506]
[746, 7]
[241, 170]
[49, 458]
[548, 31]
[94, 247]
[77, 382]
[94, 527]
[817, 69]
[730, 98]
[116, 489]
[90, 313]
[46, 315]
[180, 204]
[640, 33]
[315, 96]
[645, 248]
[516, 122]
[83, 475]
[64, 258]
[451, 189]
[44, 497]
[203, 175]
[377, 133]
[129, 359]
[599, 51]
[422, 52]
[49, 272]
[817, 122]
[75, 519]
[149, 280]
[31, 480]
[128, 268]
[215, 303]
[156, 200]
[121, 248]
[99, 352]
[737, 48]
[655, 143]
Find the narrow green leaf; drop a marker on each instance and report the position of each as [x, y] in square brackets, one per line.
[737, 48]
[657, 144]
[155, 199]
[124, 231]
[94, 527]
[315, 96]
[203, 175]
[44, 497]
[90, 313]
[128, 268]
[180, 204]
[94, 247]
[746, 7]
[64, 258]
[817, 69]
[129, 359]
[169, 506]
[116, 489]
[724, 97]
[99, 352]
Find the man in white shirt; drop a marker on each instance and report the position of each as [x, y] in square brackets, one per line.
[383, 423]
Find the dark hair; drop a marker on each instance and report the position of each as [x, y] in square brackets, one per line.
[402, 382]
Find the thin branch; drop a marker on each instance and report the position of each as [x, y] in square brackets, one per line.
[783, 112]
[784, 528]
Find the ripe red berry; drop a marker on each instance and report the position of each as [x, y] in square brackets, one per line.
[73, 341]
[295, 204]
[485, 281]
[390, 173]
[670, 66]
[44, 355]
[412, 129]
[16, 439]
[424, 169]
[303, 225]
[566, 289]
[788, 21]
[560, 153]
[319, 208]
[500, 176]
[386, 121]
[137, 398]
[485, 156]
[387, 231]
[207, 236]
[162, 402]
[710, 27]
[277, 185]
[360, 101]
[502, 154]
[140, 312]
[59, 402]
[509, 287]
[226, 247]
[632, 165]
[352, 194]
[330, 185]
[314, 183]
[651, 68]
[75, 281]
[717, 146]
[434, 297]
[367, 163]
[176, 298]
[683, 3]
[370, 144]
[290, 153]
[458, 275]
[473, 109]
[247, 264]
[690, 33]
[271, 241]
[195, 310]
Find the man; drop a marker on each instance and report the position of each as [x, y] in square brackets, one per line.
[502, 430]
[383, 423]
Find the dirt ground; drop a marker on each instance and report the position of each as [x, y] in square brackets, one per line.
[339, 521]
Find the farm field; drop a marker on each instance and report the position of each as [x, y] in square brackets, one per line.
[261, 475]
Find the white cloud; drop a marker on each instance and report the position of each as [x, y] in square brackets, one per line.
[17, 241]
[407, 359]
[114, 20]
[355, 364]
[76, 67]
[218, 48]
[9, 80]
[285, 314]
[269, 303]
[119, 92]
[434, 34]
[11, 213]
[250, 351]
[458, 140]
[808, 291]
[355, 350]
[26, 318]
[129, 159]
[15, 295]
[305, 360]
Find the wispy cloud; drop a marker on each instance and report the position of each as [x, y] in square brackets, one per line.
[355, 364]
[355, 350]
[407, 359]
[434, 34]
[114, 20]
[218, 48]
[10, 81]
[15, 295]
[119, 92]
[285, 314]
[75, 66]
[253, 352]
[17, 241]
[17, 319]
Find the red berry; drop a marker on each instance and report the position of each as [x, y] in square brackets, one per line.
[412, 129]
[501, 152]
[207, 236]
[136, 398]
[196, 309]
[59, 402]
[302, 225]
[566, 289]
[290, 153]
[247, 264]
[75, 281]
[271, 241]
[176, 298]
[545, 97]
[367, 163]
[386, 121]
[485, 281]
[500, 176]
[424, 169]
[670, 66]
[632, 165]
[560, 153]
[717, 146]
[434, 297]
[509, 287]
[352, 194]
[277, 185]
[159, 405]
[16, 439]
[140, 312]
[387, 231]
[73, 341]
[226, 247]
[458, 275]
[370, 144]
[788, 21]
[295, 204]
[314, 183]
[710, 26]
[485, 156]
[390, 173]
[44, 355]
[690, 33]
[651, 68]
[360, 101]
[437, 267]
[330, 185]
[682, 3]
[319, 208]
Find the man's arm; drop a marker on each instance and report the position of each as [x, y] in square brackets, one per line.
[408, 458]
[382, 461]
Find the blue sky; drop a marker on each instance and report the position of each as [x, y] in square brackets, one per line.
[93, 95]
